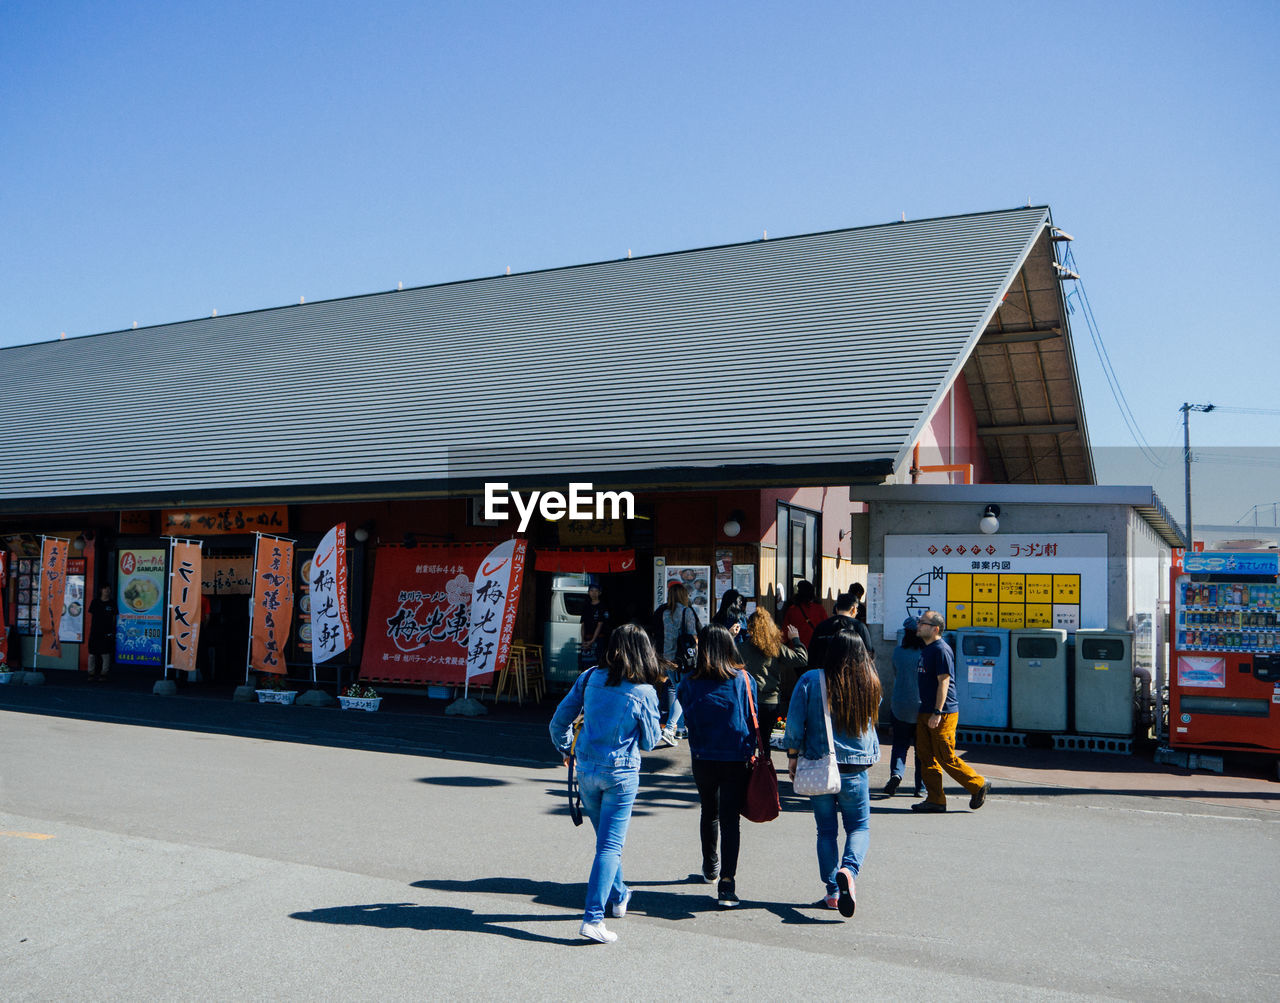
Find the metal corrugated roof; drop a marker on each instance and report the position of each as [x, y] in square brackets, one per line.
[784, 358]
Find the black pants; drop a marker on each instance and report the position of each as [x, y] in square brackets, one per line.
[722, 788]
[767, 718]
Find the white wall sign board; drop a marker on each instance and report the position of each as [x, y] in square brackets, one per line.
[1027, 580]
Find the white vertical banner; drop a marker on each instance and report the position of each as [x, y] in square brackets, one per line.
[494, 598]
[330, 621]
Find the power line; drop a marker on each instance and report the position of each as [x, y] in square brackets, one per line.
[1108, 370]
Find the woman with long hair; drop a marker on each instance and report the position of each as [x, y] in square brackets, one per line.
[772, 664]
[849, 682]
[731, 612]
[619, 709]
[722, 741]
[804, 612]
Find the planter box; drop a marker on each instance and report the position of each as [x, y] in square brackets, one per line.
[277, 696]
[360, 703]
[6, 676]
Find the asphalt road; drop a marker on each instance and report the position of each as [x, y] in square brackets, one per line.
[279, 853]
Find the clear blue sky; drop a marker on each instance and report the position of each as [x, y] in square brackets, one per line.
[159, 161]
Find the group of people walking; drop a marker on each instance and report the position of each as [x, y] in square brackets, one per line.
[728, 699]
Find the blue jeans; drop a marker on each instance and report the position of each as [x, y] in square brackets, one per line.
[854, 806]
[674, 714]
[607, 797]
[904, 739]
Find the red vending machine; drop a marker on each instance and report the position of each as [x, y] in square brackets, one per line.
[1224, 679]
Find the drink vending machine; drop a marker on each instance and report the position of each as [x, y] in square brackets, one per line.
[1224, 685]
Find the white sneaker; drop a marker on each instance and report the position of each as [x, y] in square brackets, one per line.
[619, 909]
[597, 932]
[669, 740]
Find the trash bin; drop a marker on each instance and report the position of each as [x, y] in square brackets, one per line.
[1104, 682]
[1038, 680]
[982, 676]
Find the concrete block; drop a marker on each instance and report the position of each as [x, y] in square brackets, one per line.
[165, 688]
[315, 698]
[245, 694]
[33, 678]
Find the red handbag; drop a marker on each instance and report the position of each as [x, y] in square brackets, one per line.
[761, 803]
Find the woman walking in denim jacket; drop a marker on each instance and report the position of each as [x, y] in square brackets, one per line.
[619, 708]
[854, 697]
[722, 742]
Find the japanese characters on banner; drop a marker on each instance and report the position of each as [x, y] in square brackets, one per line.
[330, 622]
[184, 605]
[272, 609]
[140, 601]
[494, 601]
[1053, 580]
[53, 586]
[419, 613]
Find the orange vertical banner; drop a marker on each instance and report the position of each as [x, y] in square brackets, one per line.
[53, 592]
[184, 606]
[272, 604]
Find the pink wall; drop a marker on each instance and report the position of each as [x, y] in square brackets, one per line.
[937, 445]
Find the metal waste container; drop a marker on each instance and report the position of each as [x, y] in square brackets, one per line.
[982, 676]
[1038, 680]
[1104, 684]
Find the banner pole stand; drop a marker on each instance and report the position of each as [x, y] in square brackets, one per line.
[245, 693]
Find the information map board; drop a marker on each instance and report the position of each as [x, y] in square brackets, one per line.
[1010, 581]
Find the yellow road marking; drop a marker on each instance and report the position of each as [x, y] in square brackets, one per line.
[25, 835]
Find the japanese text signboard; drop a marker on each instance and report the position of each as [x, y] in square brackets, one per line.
[420, 612]
[217, 521]
[140, 601]
[494, 601]
[53, 590]
[272, 604]
[1054, 580]
[327, 577]
[184, 606]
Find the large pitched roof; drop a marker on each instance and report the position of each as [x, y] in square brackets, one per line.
[809, 359]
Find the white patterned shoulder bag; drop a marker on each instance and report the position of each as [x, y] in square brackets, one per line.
[819, 776]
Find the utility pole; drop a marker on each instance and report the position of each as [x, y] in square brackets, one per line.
[1186, 410]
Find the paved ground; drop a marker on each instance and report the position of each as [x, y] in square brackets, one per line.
[193, 848]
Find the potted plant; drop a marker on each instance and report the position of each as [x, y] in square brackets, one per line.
[273, 688]
[357, 697]
[5, 673]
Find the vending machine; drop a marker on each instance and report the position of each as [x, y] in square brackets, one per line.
[1224, 679]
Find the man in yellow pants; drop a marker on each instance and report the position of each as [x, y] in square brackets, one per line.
[936, 725]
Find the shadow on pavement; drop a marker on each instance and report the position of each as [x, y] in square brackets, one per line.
[647, 901]
[410, 916]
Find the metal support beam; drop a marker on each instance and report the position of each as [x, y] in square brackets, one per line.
[1055, 429]
[1014, 337]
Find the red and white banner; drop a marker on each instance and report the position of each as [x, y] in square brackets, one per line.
[53, 592]
[330, 622]
[494, 600]
[420, 612]
[272, 603]
[184, 605]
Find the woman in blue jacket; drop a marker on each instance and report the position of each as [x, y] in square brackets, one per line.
[619, 708]
[722, 741]
[853, 689]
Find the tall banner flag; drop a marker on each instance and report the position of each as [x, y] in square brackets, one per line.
[272, 607]
[184, 605]
[494, 600]
[52, 596]
[330, 623]
[4, 629]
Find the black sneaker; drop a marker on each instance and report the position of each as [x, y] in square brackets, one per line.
[891, 788]
[710, 871]
[928, 807]
[726, 897]
[977, 800]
